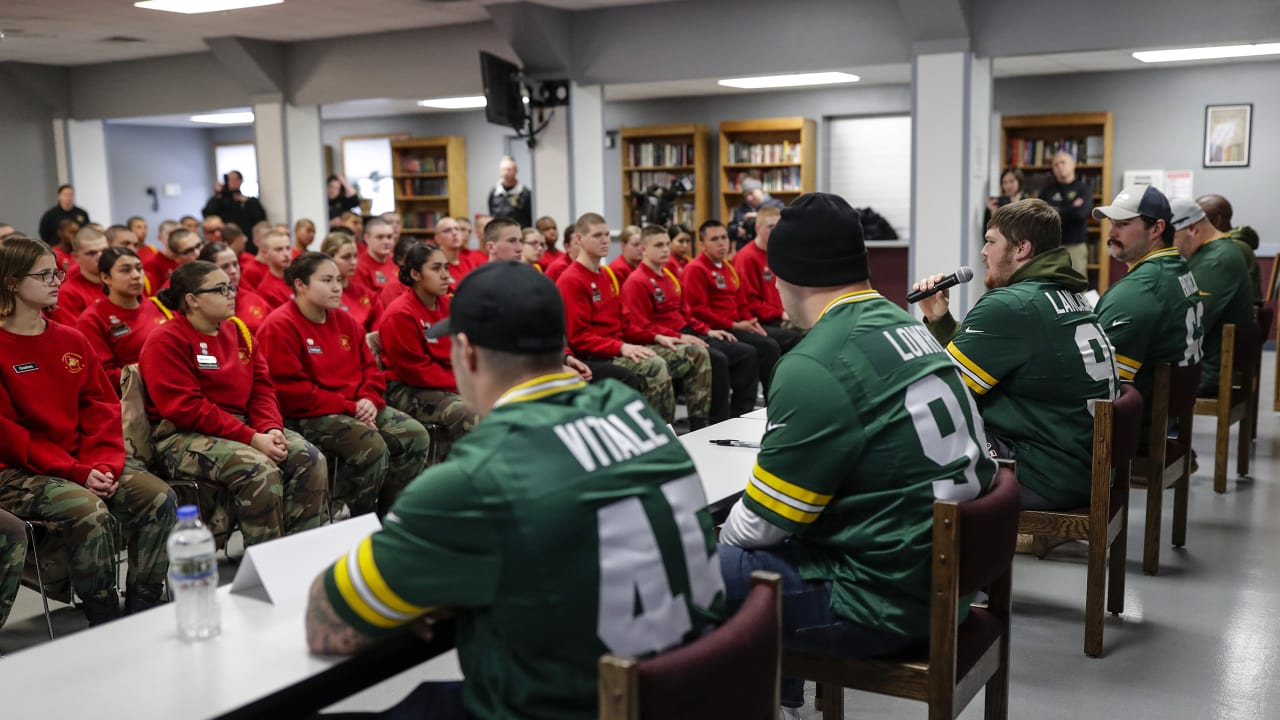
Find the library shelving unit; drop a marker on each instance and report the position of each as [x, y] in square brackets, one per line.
[1030, 142]
[659, 155]
[430, 176]
[779, 152]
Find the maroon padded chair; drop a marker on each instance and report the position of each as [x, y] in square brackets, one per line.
[732, 672]
[973, 547]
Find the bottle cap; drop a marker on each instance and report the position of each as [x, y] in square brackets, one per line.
[188, 512]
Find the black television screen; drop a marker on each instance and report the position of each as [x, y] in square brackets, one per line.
[502, 91]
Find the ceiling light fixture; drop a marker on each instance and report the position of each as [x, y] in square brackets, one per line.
[196, 7]
[226, 118]
[784, 81]
[1217, 52]
[455, 103]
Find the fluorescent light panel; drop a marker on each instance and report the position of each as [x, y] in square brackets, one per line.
[196, 7]
[1208, 53]
[230, 118]
[795, 80]
[455, 103]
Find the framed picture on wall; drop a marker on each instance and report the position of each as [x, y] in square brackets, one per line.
[1227, 131]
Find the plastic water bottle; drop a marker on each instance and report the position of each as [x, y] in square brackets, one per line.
[193, 577]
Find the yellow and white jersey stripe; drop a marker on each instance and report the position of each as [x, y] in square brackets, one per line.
[786, 499]
[1127, 367]
[541, 387]
[362, 587]
[978, 380]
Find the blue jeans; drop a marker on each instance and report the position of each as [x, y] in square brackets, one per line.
[808, 622]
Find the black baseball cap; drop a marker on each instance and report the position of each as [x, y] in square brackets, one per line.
[506, 306]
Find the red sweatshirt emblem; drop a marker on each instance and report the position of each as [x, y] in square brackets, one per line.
[72, 362]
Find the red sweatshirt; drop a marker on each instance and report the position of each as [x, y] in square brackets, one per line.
[392, 292]
[245, 259]
[655, 304]
[758, 283]
[410, 357]
[251, 273]
[558, 266]
[320, 369]
[622, 269]
[157, 270]
[117, 333]
[202, 382]
[64, 259]
[146, 252]
[59, 415]
[468, 260]
[714, 293]
[549, 256]
[363, 304]
[251, 308]
[376, 274]
[76, 295]
[593, 312]
[275, 291]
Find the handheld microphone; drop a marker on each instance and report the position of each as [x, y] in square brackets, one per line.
[963, 275]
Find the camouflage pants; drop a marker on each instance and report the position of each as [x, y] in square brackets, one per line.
[13, 551]
[433, 407]
[375, 464]
[271, 500]
[657, 383]
[692, 365]
[144, 508]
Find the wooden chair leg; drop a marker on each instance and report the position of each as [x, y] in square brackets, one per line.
[1181, 495]
[1151, 530]
[1221, 446]
[1245, 441]
[832, 702]
[1095, 586]
[1117, 558]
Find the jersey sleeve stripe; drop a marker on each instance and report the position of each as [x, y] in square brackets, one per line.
[378, 586]
[972, 367]
[973, 385]
[778, 507]
[353, 599]
[801, 495]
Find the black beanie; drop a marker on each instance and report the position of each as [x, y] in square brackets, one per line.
[818, 243]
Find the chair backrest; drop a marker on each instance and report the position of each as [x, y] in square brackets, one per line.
[1126, 425]
[1184, 385]
[988, 534]
[1248, 344]
[732, 672]
[1266, 316]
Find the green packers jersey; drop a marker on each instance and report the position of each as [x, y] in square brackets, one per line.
[1152, 316]
[1033, 353]
[569, 523]
[868, 423]
[1221, 275]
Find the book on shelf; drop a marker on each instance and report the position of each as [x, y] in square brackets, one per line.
[1029, 151]
[741, 152]
[421, 220]
[649, 154]
[417, 187]
[642, 181]
[423, 164]
[773, 180]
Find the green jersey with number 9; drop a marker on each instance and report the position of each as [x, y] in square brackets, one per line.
[868, 423]
[569, 523]
[1034, 354]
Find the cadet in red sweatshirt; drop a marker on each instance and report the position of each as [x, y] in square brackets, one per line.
[759, 285]
[181, 246]
[460, 259]
[62, 458]
[208, 387]
[83, 286]
[597, 331]
[681, 248]
[716, 297]
[568, 257]
[419, 370]
[331, 390]
[632, 249]
[250, 307]
[653, 300]
[376, 265]
[358, 299]
[117, 325]
[546, 227]
[277, 253]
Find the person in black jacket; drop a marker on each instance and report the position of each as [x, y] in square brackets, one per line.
[233, 206]
[342, 198]
[1073, 199]
[66, 209]
[509, 198]
[742, 225]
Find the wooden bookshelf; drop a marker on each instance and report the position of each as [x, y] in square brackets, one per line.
[1029, 142]
[659, 155]
[430, 176]
[779, 152]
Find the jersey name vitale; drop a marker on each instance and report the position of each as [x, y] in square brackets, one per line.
[598, 442]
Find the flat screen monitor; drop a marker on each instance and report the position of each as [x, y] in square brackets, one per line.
[502, 91]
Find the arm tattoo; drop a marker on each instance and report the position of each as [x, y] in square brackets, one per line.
[328, 634]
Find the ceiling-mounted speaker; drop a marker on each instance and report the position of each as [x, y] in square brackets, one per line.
[553, 93]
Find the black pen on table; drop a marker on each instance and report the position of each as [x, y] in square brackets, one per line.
[736, 443]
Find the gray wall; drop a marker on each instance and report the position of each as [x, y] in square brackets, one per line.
[1159, 124]
[485, 143]
[28, 174]
[139, 157]
[712, 110]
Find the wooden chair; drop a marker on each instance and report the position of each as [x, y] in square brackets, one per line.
[973, 547]
[1104, 524]
[1265, 317]
[732, 672]
[1233, 404]
[1168, 459]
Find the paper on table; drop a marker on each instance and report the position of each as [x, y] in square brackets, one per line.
[281, 571]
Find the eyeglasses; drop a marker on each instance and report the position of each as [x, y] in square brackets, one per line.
[192, 250]
[49, 276]
[224, 290]
[534, 243]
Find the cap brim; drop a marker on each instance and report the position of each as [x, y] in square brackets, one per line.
[1112, 212]
[439, 330]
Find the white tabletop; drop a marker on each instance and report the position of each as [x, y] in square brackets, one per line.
[724, 470]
